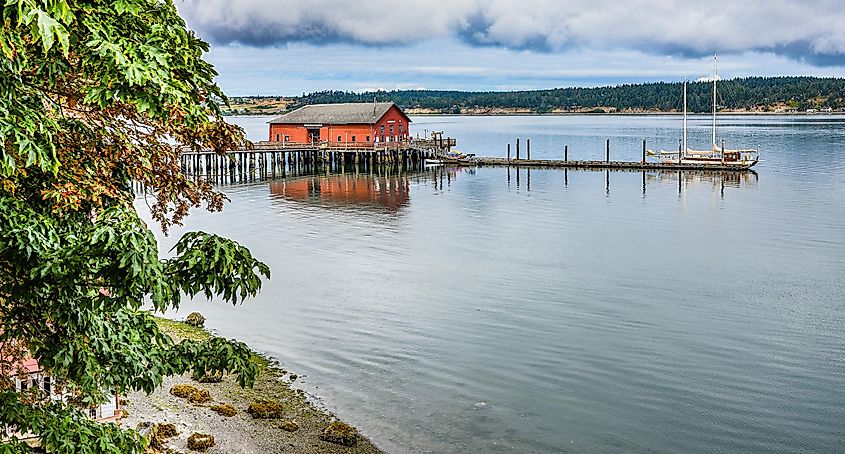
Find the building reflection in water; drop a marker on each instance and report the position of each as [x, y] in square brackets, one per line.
[389, 192]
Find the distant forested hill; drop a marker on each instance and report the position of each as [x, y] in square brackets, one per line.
[749, 94]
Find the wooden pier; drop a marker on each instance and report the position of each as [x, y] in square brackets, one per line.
[264, 160]
[643, 164]
[278, 159]
[612, 165]
[269, 159]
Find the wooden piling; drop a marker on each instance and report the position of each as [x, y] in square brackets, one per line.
[607, 151]
[509, 153]
[528, 150]
[643, 151]
[517, 149]
[566, 153]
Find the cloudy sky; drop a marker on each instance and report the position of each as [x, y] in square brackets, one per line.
[287, 47]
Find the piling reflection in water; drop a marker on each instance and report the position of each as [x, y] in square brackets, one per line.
[391, 190]
[682, 179]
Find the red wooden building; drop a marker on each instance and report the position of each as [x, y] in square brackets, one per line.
[344, 124]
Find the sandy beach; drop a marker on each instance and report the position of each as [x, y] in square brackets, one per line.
[240, 433]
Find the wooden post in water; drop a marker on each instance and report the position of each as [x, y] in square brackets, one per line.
[528, 151]
[566, 153]
[517, 149]
[607, 151]
[643, 151]
[509, 153]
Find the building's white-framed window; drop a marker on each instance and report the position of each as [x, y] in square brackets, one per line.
[287, 138]
[339, 138]
[92, 412]
[278, 137]
[48, 385]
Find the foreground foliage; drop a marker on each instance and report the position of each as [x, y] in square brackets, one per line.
[92, 96]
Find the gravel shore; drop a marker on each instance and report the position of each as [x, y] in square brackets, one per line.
[239, 433]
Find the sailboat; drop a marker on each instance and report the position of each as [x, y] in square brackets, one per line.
[717, 156]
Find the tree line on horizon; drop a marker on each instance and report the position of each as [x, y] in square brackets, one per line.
[750, 93]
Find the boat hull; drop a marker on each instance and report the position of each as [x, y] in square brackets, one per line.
[710, 163]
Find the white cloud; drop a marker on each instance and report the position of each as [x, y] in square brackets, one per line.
[441, 65]
[803, 30]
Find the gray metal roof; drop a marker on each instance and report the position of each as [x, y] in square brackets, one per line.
[336, 114]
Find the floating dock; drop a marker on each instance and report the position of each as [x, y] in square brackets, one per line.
[642, 164]
[613, 165]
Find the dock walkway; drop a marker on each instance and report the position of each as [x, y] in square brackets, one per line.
[621, 165]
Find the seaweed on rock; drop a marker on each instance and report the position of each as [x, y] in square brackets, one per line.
[265, 409]
[200, 442]
[224, 410]
[195, 319]
[340, 433]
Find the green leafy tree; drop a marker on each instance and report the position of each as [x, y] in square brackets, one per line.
[93, 95]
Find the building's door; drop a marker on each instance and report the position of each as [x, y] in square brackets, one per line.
[314, 135]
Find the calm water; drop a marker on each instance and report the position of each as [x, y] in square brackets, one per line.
[500, 311]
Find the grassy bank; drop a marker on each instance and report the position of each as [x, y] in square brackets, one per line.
[272, 416]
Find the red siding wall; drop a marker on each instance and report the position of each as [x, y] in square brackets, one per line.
[393, 117]
[296, 133]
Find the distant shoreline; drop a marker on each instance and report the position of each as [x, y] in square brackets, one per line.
[597, 114]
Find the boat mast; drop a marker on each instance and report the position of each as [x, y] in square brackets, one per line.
[715, 76]
[684, 146]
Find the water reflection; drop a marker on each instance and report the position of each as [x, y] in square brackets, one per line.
[682, 179]
[381, 191]
[393, 191]
[713, 179]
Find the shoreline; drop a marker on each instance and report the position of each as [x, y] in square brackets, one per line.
[591, 114]
[240, 433]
